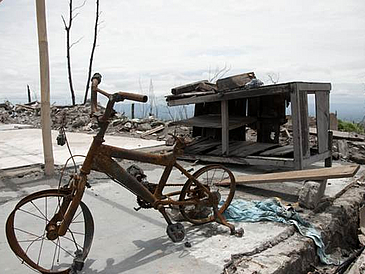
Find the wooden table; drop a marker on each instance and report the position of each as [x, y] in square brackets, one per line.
[298, 94]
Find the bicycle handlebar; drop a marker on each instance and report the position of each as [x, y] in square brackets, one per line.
[116, 97]
[133, 96]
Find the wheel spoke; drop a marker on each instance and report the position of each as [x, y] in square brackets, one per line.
[27, 232]
[39, 210]
[30, 213]
[40, 251]
[76, 216]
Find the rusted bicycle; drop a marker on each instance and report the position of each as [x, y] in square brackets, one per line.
[52, 230]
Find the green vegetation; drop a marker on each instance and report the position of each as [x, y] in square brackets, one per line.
[350, 127]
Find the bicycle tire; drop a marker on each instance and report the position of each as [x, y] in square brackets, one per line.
[29, 218]
[198, 214]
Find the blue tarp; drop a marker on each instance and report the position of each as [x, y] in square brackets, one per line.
[272, 210]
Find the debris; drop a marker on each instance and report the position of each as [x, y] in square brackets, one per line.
[254, 83]
[343, 149]
[156, 129]
[194, 87]
[235, 81]
[79, 120]
[311, 193]
[273, 210]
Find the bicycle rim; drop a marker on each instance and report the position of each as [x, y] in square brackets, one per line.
[26, 233]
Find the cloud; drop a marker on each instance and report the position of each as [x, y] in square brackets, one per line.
[176, 42]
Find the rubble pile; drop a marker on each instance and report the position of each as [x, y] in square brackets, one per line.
[77, 119]
[346, 146]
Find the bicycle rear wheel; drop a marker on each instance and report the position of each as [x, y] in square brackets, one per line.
[210, 176]
[27, 235]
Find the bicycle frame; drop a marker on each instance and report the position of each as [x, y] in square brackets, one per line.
[99, 158]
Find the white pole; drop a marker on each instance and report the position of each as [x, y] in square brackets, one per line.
[45, 87]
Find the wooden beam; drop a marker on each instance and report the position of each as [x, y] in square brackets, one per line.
[297, 128]
[232, 95]
[323, 120]
[45, 87]
[298, 175]
[308, 86]
[225, 127]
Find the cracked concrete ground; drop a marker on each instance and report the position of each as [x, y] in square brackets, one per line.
[127, 241]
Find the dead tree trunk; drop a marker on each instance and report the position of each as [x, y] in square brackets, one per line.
[92, 50]
[29, 97]
[68, 50]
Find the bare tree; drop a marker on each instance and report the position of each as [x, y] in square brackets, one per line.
[92, 50]
[68, 26]
[273, 77]
[218, 73]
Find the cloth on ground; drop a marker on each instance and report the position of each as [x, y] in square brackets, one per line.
[272, 210]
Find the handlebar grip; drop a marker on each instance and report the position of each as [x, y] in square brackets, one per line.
[133, 96]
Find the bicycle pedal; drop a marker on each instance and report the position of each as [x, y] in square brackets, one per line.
[176, 232]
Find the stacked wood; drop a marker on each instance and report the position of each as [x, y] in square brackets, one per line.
[235, 81]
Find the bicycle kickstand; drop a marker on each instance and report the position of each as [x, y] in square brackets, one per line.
[219, 218]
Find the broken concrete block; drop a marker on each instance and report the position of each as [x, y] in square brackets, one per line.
[343, 148]
[311, 193]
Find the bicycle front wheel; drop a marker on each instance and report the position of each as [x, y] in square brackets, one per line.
[210, 176]
[27, 235]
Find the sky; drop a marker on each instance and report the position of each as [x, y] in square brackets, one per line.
[176, 42]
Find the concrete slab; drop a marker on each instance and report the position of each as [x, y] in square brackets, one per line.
[135, 242]
[20, 147]
[127, 241]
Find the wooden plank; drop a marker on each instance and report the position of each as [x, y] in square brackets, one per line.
[201, 147]
[252, 149]
[322, 118]
[215, 121]
[225, 127]
[153, 130]
[233, 145]
[235, 81]
[239, 93]
[190, 94]
[243, 148]
[279, 151]
[298, 175]
[187, 88]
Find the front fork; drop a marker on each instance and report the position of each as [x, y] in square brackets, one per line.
[61, 221]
